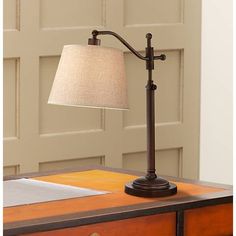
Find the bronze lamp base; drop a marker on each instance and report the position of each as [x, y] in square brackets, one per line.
[144, 187]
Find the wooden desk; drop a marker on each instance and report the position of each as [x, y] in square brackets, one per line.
[197, 209]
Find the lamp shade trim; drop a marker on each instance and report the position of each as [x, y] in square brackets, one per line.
[88, 106]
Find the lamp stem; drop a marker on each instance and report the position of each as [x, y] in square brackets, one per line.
[151, 185]
[150, 111]
[150, 116]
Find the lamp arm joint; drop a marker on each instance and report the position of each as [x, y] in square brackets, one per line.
[124, 42]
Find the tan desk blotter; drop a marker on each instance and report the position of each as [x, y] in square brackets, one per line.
[30, 191]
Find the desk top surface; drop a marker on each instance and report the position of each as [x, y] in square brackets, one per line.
[115, 205]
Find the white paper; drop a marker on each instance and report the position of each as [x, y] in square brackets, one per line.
[28, 191]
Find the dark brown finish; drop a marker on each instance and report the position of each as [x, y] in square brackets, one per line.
[150, 185]
[94, 41]
[95, 33]
[221, 194]
[180, 223]
[141, 188]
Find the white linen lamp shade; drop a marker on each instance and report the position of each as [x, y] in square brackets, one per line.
[90, 76]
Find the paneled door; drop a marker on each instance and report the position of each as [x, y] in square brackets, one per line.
[39, 137]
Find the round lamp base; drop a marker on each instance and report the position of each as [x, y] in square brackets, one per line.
[158, 187]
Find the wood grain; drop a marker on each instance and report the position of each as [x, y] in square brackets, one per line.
[210, 220]
[162, 224]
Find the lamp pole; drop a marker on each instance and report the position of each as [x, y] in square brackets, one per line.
[151, 185]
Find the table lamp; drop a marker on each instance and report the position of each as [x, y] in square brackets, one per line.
[94, 76]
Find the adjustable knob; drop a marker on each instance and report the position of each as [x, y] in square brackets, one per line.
[162, 57]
